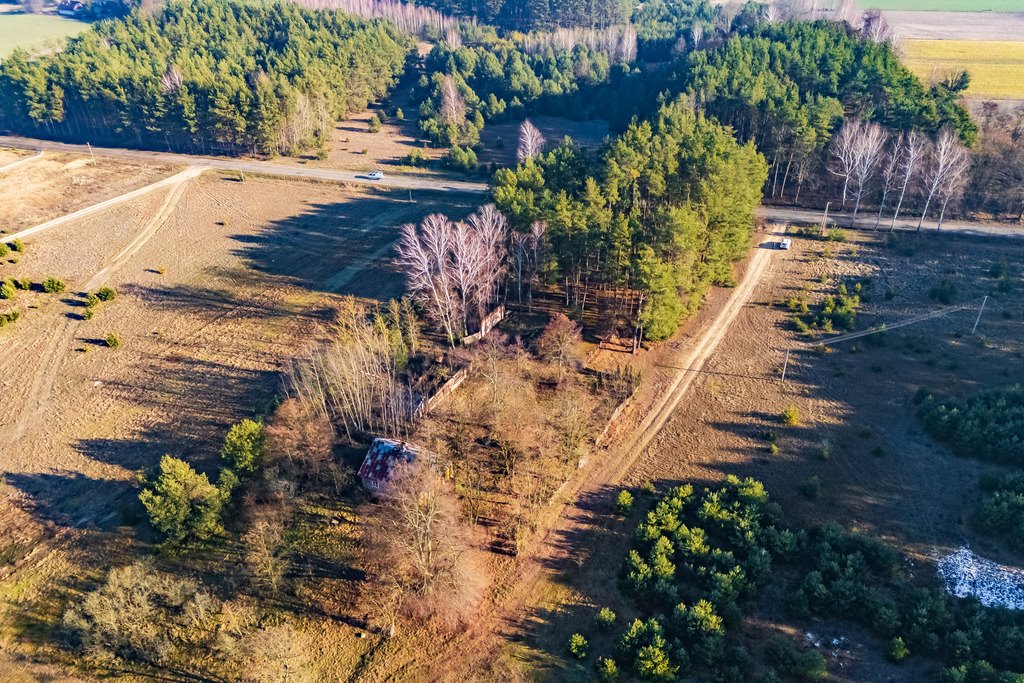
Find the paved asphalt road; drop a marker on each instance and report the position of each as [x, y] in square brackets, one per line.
[410, 182]
[413, 182]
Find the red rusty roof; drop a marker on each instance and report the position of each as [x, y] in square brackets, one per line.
[382, 457]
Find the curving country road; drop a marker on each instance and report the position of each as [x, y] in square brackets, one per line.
[866, 221]
[405, 182]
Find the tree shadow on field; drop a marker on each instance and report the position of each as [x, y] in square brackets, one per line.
[344, 247]
[72, 499]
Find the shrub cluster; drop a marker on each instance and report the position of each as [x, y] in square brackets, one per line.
[988, 425]
[835, 312]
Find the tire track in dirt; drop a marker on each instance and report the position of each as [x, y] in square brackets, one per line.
[140, 240]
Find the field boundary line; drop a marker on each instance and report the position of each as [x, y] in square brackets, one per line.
[192, 172]
[884, 327]
[19, 162]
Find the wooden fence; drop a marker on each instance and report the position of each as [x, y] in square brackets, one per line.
[486, 325]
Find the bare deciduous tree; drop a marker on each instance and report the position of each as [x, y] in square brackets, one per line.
[558, 343]
[453, 106]
[355, 380]
[890, 174]
[265, 552]
[944, 169]
[455, 269]
[867, 150]
[273, 654]
[419, 550]
[531, 142]
[912, 155]
[956, 180]
[415, 20]
[844, 153]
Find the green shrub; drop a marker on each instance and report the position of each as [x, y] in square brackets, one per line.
[23, 284]
[244, 446]
[987, 425]
[374, 124]
[647, 486]
[7, 290]
[399, 114]
[773, 449]
[9, 317]
[803, 665]
[578, 646]
[4, 250]
[112, 340]
[52, 285]
[1001, 510]
[791, 416]
[182, 504]
[898, 650]
[106, 293]
[88, 313]
[16, 245]
[624, 503]
[944, 293]
[810, 488]
[605, 618]
[607, 669]
[91, 300]
[461, 158]
[825, 451]
[415, 158]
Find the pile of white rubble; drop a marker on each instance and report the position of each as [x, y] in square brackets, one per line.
[994, 585]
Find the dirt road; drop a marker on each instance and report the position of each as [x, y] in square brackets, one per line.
[782, 214]
[408, 182]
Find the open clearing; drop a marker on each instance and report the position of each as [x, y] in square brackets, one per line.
[34, 31]
[956, 25]
[883, 475]
[218, 285]
[500, 140]
[996, 67]
[58, 184]
[946, 5]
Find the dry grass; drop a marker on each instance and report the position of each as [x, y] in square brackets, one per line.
[996, 67]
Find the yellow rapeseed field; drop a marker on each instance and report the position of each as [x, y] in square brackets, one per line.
[996, 66]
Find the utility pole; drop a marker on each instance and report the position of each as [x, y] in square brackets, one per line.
[824, 219]
[980, 311]
[785, 365]
[89, 145]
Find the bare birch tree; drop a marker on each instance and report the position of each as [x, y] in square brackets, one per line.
[843, 152]
[453, 106]
[956, 180]
[455, 269]
[912, 155]
[890, 174]
[531, 142]
[867, 149]
[947, 157]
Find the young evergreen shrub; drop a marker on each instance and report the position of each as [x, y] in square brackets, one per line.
[605, 618]
[4, 250]
[578, 646]
[811, 488]
[624, 503]
[898, 650]
[607, 669]
[7, 289]
[88, 313]
[374, 124]
[91, 300]
[112, 340]
[16, 245]
[791, 416]
[52, 285]
[106, 293]
[244, 446]
[182, 504]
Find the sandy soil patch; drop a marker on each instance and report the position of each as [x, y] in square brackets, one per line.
[58, 184]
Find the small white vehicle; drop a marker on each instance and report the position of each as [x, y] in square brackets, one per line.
[785, 244]
[375, 175]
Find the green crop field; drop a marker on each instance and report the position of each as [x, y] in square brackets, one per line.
[946, 5]
[31, 31]
[996, 67]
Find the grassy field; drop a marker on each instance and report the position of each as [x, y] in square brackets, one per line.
[946, 5]
[996, 67]
[34, 30]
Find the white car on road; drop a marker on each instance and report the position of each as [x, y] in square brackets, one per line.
[375, 175]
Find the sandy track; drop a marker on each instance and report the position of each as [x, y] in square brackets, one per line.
[114, 201]
[19, 162]
[154, 224]
[783, 214]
